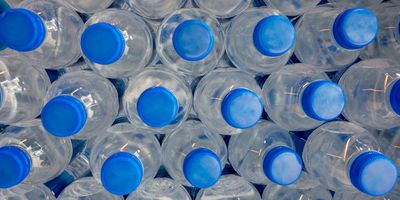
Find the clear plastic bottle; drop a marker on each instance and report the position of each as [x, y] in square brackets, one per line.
[152, 9]
[116, 43]
[301, 97]
[27, 192]
[373, 93]
[190, 41]
[31, 156]
[233, 98]
[265, 154]
[272, 192]
[292, 7]
[355, 3]
[22, 88]
[223, 8]
[124, 157]
[88, 6]
[193, 155]
[387, 42]
[230, 187]
[87, 189]
[157, 99]
[260, 40]
[390, 142]
[344, 156]
[80, 104]
[160, 189]
[43, 31]
[332, 38]
[345, 195]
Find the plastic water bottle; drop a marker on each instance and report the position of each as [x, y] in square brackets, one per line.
[26, 192]
[223, 9]
[160, 188]
[387, 42]
[80, 104]
[190, 41]
[31, 156]
[233, 99]
[260, 40]
[116, 43]
[390, 142]
[335, 40]
[344, 156]
[88, 6]
[285, 193]
[193, 155]
[354, 3]
[151, 9]
[275, 159]
[345, 195]
[292, 7]
[87, 188]
[157, 99]
[43, 31]
[124, 157]
[22, 87]
[373, 93]
[230, 187]
[301, 97]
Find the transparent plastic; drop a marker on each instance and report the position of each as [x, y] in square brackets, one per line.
[210, 92]
[138, 43]
[292, 7]
[160, 189]
[331, 147]
[316, 44]
[368, 85]
[22, 88]
[355, 3]
[390, 143]
[87, 189]
[157, 76]
[282, 92]
[191, 136]
[396, 1]
[170, 57]
[152, 9]
[13, 3]
[27, 192]
[395, 194]
[285, 193]
[240, 46]
[60, 47]
[88, 6]
[230, 187]
[223, 8]
[248, 149]
[48, 155]
[124, 137]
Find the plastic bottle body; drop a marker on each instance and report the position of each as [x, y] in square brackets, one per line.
[26, 192]
[292, 8]
[116, 43]
[87, 188]
[153, 9]
[259, 41]
[168, 88]
[390, 142]
[355, 3]
[212, 95]
[160, 189]
[88, 6]
[371, 89]
[47, 156]
[22, 87]
[193, 137]
[223, 9]
[285, 193]
[230, 187]
[122, 142]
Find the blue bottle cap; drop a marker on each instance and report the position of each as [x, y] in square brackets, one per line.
[64, 116]
[282, 165]
[373, 173]
[121, 173]
[274, 35]
[323, 100]
[193, 40]
[103, 43]
[241, 108]
[202, 168]
[355, 28]
[157, 107]
[15, 165]
[21, 29]
[394, 97]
